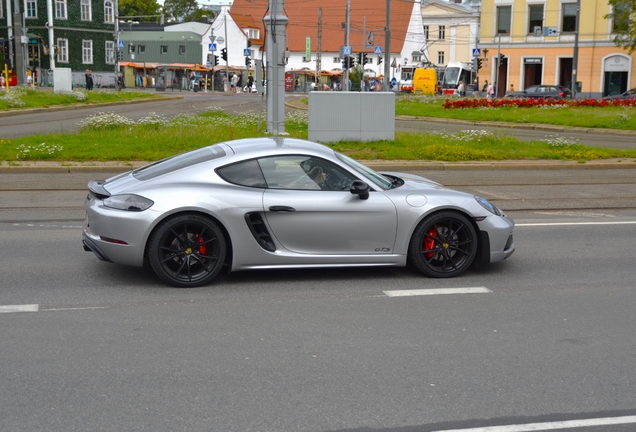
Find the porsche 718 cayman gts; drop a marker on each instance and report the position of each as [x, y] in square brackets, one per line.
[266, 203]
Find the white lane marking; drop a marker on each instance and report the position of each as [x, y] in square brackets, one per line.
[19, 308]
[576, 223]
[419, 292]
[75, 308]
[550, 425]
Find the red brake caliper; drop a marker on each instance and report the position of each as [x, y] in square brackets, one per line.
[202, 248]
[429, 242]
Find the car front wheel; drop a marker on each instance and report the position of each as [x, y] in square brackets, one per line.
[187, 250]
[443, 245]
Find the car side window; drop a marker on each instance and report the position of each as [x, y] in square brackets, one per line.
[304, 173]
[246, 173]
[531, 89]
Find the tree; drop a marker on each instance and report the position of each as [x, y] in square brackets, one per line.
[183, 10]
[623, 18]
[139, 8]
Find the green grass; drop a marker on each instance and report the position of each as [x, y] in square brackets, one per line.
[109, 137]
[587, 117]
[24, 98]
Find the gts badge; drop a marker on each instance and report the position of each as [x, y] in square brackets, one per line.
[383, 249]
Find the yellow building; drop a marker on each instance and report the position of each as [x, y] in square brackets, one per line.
[450, 30]
[537, 42]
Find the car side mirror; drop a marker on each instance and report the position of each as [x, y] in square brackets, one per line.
[360, 188]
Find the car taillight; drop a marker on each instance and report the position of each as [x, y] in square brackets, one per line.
[562, 94]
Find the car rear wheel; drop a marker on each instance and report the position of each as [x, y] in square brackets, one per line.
[443, 245]
[187, 250]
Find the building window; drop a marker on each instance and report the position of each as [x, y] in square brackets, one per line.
[440, 58]
[338, 60]
[87, 52]
[503, 19]
[620, 17]
[535, 13]
[426, 29]
[417, 58]
[569, 17]
[110, 52]
[442, 32]
[31, 8]
[252, 33]
[164, 49]
[62, 50]
[182, 49]
[60, 9]
[86, 10]
[141, 49]
[109, 16]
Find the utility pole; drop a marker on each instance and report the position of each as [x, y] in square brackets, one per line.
[276, 24]
[19, 36]
[227, 53]
[575, 55]
[319, 46]
[345, 84]
[387, 46]
[116, 51]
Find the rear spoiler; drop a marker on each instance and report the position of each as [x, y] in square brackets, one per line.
[97, 188]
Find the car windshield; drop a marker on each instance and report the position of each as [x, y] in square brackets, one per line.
[377, 178]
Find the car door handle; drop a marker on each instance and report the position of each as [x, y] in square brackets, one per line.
[282, 209]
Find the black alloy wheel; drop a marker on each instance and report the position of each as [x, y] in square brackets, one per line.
[187, 250]
[443, 245]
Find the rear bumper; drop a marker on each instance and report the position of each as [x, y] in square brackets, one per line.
[91, 246]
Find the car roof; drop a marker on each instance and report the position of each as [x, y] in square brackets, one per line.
[255, 147]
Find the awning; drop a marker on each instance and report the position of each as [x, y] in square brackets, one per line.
[140, 65]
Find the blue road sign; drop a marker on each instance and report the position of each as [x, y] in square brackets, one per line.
[247, 52]
[346, 50]
[476, 52]
[121, 44]
[377, 49]
[212, 47]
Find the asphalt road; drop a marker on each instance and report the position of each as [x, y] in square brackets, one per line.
[111, 348]
[107, 347]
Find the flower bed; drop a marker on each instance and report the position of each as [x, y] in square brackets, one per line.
[529, 103]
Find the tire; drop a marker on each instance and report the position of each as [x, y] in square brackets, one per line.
[187, 250]
[443, 245]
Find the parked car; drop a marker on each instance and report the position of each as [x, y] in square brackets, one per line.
[629, 94]
[542, 91]
[264, 203]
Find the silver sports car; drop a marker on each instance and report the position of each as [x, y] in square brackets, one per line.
[267, 203]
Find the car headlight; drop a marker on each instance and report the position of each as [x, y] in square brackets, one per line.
[490, 207]
[128, 202]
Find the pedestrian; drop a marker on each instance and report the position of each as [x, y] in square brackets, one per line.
[233, 81]
[250, 82]
[88, 76]
[491, 91]
[378, 85]
[239, 84]
[461, 89]
[484, 90]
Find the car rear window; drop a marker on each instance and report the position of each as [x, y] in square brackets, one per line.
[178, 162]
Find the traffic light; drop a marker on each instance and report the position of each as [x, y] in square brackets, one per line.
[365, 60]
[120, 55]
[248, 62]
[359, 58]
[379, 60]
[501, 58]
[348, 62]
[224, 54]
[216, 60]
[479, 63]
